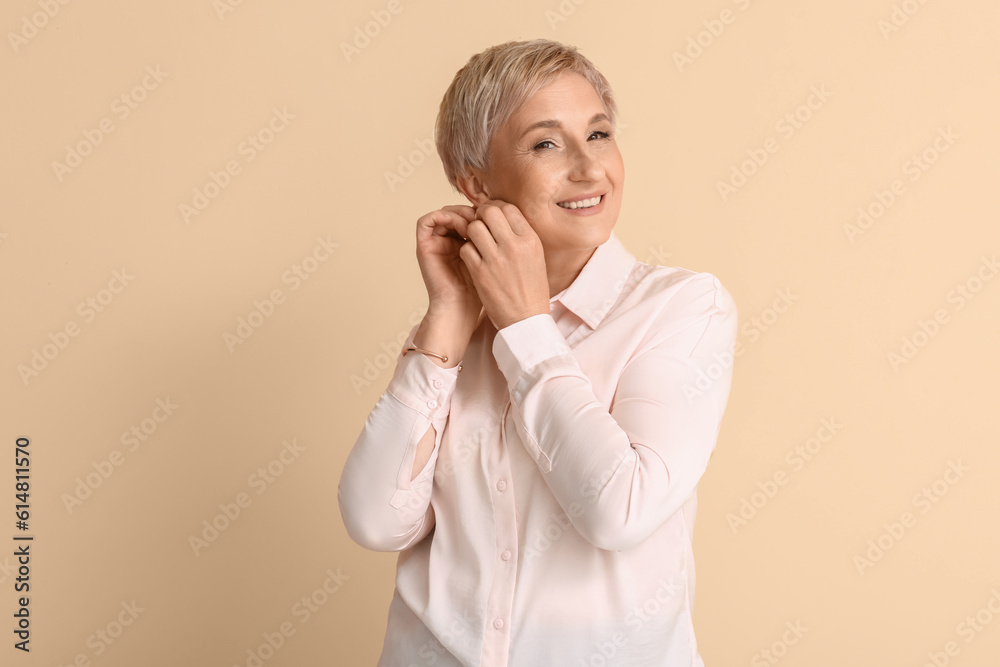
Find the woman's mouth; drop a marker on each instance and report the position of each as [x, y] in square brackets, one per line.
[581, 203]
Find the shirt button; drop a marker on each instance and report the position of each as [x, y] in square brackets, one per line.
[432, 404]
[501, 485]
[505, 555]
[437, 383]
[498, 623]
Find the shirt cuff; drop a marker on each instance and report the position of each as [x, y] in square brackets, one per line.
[420, 383]
[520, 347]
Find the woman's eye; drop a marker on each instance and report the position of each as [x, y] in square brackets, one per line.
[547, 143]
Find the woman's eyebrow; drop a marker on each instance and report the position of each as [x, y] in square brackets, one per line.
[598, 117]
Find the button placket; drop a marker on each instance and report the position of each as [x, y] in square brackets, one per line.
[501, 596]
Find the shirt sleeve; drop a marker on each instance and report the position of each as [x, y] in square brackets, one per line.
[382, 508]
[629, 468]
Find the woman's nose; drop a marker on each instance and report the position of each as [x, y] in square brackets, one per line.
[585, 166]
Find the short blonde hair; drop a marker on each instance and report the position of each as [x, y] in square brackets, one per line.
[492, 86]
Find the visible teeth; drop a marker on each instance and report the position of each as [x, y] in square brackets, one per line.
[583, 203]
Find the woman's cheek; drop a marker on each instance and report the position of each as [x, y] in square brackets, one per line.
[542, 209]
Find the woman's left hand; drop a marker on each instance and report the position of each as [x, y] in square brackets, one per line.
[507, 263]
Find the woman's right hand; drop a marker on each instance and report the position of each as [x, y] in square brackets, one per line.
[450, 289]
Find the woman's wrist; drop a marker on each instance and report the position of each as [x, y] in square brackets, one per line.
[443, 335]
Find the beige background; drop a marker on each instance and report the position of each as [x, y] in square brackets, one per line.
[343, 124]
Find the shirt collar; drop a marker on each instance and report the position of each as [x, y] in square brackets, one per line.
[600, 282]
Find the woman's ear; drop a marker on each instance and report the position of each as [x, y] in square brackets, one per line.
[473, 187]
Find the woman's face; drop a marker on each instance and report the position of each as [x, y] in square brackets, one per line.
[557, 148]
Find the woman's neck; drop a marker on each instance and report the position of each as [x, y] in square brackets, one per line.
[564, 266]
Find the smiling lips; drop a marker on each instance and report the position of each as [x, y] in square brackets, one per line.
[581, 203]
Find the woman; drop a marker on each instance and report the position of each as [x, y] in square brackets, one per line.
[537, 467]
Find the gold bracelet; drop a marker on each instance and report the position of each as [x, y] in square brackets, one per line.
[441, 357]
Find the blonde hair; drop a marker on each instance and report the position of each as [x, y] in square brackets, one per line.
[493, 85]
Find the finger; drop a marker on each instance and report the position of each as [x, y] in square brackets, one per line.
[459, 219]
[440, 222]
[469, 254]
[503, 218]
[449, 231]
[439, 217]
[481, 238]
[516, 220]
[467, 212]
[493, 218]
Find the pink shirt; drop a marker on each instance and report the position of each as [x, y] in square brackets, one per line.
[552, 524]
